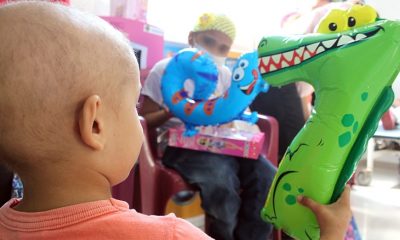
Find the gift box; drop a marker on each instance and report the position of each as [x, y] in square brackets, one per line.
[226, 141]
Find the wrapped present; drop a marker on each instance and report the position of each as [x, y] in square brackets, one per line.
[226, 141]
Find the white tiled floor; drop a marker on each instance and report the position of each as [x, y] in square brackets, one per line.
[377, 207]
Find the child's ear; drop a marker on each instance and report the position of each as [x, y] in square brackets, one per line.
[91, 123]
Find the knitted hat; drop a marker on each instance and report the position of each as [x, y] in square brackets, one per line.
[210, 21]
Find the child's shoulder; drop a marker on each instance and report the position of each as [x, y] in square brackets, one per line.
[105, 219]
[155, 227]
[161, 227]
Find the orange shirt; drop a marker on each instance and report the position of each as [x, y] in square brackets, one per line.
[104, 219]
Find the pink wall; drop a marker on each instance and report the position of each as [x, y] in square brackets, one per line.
[143, 34]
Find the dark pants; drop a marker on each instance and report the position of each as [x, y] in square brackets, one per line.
[233, 190]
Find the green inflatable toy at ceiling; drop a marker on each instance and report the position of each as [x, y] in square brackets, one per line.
[351, 63]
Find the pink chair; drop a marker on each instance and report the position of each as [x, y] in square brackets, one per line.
[150, 184]
[158, 183]
[269, 125]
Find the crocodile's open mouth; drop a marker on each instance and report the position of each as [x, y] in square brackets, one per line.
[248, 89]
[279, 61]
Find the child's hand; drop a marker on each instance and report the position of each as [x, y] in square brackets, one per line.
[333, 219]
[167, 112]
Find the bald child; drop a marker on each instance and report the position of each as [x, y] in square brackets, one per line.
[69, 127]
[69, 84]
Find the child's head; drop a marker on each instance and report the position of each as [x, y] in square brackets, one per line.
[215, 33]
[69, 84]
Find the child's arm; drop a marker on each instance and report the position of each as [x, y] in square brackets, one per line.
[153, 113]
[333, 219]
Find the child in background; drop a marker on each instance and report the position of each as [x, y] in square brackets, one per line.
[69, 128]
[232, 189]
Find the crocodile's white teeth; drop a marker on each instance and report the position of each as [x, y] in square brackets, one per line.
[345, 39]
[306, 55]
[262, 69]
[360, 36]
[276, 58]
[300, 51]
[263, 64]
[267, 59]
[296, 56]
[288, 55]
[329, 43]
[320, 49]
[297, 60]
[312, 47]
[284, 64]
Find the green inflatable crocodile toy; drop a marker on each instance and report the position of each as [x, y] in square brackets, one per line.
[351, 67]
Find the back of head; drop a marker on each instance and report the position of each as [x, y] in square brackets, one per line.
[52, 58]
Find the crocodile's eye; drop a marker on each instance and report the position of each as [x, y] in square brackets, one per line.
[351, 22]
[334, 22]
[262, 44]
[362, 15]
[332, 26]
[340, 21]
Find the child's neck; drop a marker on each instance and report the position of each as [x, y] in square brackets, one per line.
[50, 188]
